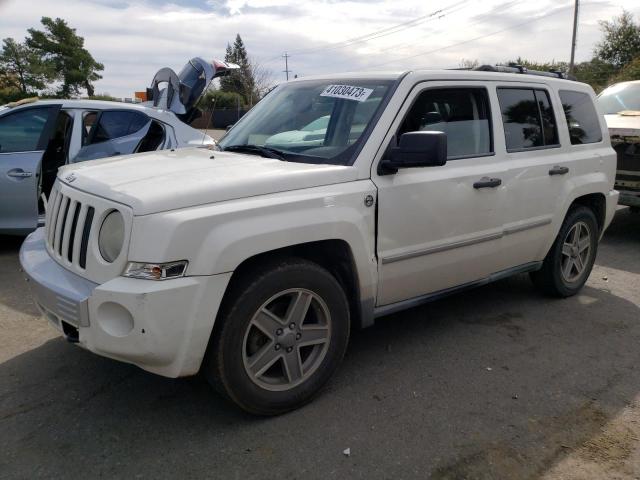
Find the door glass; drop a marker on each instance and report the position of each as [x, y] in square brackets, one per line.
[462, 113]
[115, 124]
[21, 131]
[582, 118]
[88, 122]
[549, 128]
[521, 119]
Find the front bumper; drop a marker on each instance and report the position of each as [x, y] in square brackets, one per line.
[160, 326]
[629, 198]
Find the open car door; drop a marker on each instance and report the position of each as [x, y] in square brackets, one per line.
[24, 136]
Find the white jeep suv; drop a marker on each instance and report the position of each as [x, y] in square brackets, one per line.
[254, 261]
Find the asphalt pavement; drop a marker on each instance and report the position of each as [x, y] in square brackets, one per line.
[495, 383]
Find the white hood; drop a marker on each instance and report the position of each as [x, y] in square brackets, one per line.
[625, 125]
[167, 180]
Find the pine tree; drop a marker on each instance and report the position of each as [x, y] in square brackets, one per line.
[242, 80]
[62, 50]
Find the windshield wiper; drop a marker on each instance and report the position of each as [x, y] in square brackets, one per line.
[264, 151]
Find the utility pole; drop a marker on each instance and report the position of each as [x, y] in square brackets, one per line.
[573, 40]
[286, 65]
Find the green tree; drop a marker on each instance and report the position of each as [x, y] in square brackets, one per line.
[62, 50]
[22, 67]
[621, 42]
[631, 71]
[595, 72]
[241, 81]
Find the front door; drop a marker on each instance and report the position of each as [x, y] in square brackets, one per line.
[24, 134]
[440, 227]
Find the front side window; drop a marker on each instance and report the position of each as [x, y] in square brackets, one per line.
[582, 118]
[21, 131]
[310, 121]
[462, 113]
[115, 124]
[528, 118]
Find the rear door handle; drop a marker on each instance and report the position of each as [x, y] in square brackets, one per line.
[486, 182]
[19, 173]
[558, 170]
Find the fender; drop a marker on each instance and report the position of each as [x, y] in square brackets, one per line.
[217, 238]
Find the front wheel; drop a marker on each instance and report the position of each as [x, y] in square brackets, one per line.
[283, 333]
[569, 262]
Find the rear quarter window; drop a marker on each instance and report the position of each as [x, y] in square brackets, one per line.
[582, 118]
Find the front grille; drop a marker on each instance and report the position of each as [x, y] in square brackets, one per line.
[628, 156]
[68, 228]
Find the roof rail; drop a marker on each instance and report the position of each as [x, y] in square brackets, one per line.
[513, 68]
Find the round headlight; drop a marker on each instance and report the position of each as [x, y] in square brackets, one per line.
[111, 236]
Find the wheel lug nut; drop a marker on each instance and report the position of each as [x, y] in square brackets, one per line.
[289, 349]
[292, 326]
[279, 331]
[298, 335]
[277, 346]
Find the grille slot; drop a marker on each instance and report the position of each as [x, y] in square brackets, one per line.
[67, 207]
[72, 233]
[85, 237]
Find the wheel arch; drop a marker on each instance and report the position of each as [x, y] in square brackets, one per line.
[335, 255]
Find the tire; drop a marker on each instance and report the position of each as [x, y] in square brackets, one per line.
[262, 356]
[568, 264]
[634, 209]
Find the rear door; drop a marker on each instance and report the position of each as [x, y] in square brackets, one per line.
[539, 169]
[112, 132]
[24, 134]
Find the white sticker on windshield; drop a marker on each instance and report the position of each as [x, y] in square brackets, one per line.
[347, 92]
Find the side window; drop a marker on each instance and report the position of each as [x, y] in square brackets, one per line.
[549, 126]
[528, 118]
[21, 131]
[116, 124]
[462, 113]
[582, 118]
[88, 122]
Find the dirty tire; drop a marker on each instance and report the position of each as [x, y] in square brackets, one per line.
[565, 268]
[262, 355]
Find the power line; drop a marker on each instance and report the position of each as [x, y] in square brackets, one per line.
[559, 10]
[437, 14]
[505, 6]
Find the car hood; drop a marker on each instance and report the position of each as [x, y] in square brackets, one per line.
[624, 125]
[167, 180]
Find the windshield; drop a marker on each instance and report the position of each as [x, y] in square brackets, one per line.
[311, 121]
[623, 96]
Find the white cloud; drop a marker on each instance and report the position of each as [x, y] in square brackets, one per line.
[135, 38]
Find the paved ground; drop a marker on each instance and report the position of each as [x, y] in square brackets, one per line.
[497, 383]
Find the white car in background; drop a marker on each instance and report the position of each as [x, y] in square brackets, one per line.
[38, 137]
[620, 104]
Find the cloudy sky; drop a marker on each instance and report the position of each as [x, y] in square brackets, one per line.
[134, 38]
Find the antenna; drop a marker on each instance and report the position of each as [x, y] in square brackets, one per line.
[206, 127]
[286, 65]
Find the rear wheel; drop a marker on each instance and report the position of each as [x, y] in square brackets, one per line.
[283, 333]
[570, 260]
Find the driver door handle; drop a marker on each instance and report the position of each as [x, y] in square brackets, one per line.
[558, 170]
[486, 182]
[19, 173]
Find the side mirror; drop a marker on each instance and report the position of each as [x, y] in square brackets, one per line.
[415, 149]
